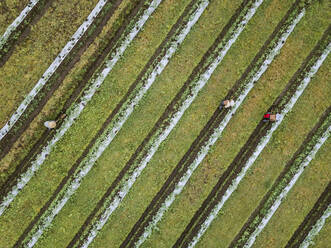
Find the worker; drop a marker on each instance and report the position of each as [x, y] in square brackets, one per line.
[270, 117]
[266, 117]
[226, 104]
[50, 124]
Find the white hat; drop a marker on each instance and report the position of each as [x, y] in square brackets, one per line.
[50, 124]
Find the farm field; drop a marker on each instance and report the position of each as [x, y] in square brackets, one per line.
[142, 154]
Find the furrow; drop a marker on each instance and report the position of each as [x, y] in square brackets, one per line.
[132, 29]
[197, 80]
[55, 74]
[260, 137]
[210, 133]
[14, 31]
[314, 221]
[294, 168]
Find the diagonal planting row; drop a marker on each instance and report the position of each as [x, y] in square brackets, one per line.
[197, 80]
[313, 222]
[212, 131]
[294, 168]
[31, 13]
[116, 120]
[55, 74]
[230, 179]
[18, 181]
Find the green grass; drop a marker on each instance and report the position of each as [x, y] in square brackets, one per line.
[299, 201]
[9, 10]
[33, 56]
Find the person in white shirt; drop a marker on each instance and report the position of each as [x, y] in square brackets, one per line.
[50, 124]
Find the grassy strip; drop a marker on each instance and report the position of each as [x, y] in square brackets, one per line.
[284, 183]
[155, 66]
[38, 50]
[19, 181]
[30, 14]
[120, 187]
[208, 136]
[18, 21]
[55, 74]
[313, 222]
[230, 179]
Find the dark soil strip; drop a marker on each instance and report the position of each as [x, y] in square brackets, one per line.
[134, 14]
[314, 215]
[57, 78]
[96, 60]
[282, 181]
[205, 134]
[172, 108]
[247, 150]
[23, 29]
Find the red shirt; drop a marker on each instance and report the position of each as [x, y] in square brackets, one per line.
[266, 116]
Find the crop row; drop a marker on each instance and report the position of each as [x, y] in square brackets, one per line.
[231, 178]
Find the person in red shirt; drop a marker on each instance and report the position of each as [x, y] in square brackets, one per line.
[266, 117]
